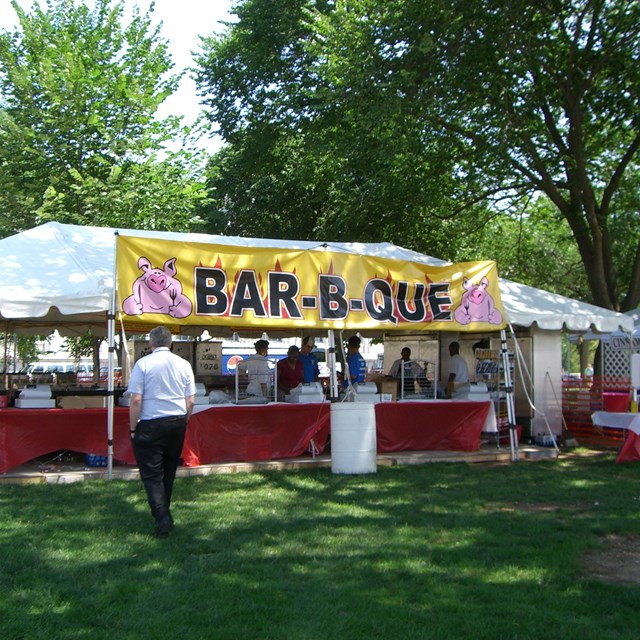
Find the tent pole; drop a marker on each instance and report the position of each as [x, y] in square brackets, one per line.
[331, 362]
[4, 355]
[111, 321]
[508, 385]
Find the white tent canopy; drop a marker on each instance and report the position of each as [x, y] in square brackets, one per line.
[635, 316]
[60, 276]
[526, 306]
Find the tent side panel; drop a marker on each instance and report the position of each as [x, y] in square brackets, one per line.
[547, 381]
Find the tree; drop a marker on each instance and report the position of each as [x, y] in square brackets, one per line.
[534, 247]
[304, 161]
[79, 137]
[456, 111]
[85, 346]
[18, 351]
[543, 98]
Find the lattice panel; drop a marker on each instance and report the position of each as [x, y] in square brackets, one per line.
[617, 358]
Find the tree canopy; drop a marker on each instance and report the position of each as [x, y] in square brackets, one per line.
[79, 138]
[420, 121]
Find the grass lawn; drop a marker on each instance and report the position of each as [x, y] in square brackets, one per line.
[430, 551]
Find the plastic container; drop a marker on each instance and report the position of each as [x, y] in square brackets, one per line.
[353, 437]
[545, 440]
[615, 402]
[92, 460]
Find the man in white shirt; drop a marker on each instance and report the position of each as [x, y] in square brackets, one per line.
[162, 390]
[259, 371]
[458, 370]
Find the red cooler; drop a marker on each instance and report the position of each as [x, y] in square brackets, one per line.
[615, 402]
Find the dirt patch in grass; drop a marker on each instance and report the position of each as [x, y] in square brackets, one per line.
[542, 507]
[617, 563]
[549, 507]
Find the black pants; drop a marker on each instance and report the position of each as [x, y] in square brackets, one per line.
[157, 445]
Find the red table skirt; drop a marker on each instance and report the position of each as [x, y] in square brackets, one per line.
[218, 434]
[630, 451]
[254, 432]
[229, 433]
[29, 433]
[430, 426]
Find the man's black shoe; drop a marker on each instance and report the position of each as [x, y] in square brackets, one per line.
[163, 527]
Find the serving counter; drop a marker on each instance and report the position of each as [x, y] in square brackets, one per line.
[230, 433]
[434, 425]
[236, 433]
[225, 433]
[26, 434]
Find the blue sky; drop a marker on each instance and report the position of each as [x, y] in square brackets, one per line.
[183, 21]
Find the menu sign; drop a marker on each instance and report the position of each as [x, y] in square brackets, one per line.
[208, 358]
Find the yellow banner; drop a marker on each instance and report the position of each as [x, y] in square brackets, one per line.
[177, 283]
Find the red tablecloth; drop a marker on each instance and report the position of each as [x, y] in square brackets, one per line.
[240, 433]
[29, 433]
[254, 432]
[217, 434]
[630, 451]
[424, 426]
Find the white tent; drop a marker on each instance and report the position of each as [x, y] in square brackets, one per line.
[60, 276]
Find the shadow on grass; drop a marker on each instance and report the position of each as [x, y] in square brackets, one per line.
[432, 551]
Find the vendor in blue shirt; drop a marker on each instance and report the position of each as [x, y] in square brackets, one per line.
[308, 359]
[356, 365]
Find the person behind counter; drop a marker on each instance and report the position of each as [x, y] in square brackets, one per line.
[411, 371]
[162, 389]
[259, 371]
[309, 360]
[458, 369]
[356, 365]
[290, 372]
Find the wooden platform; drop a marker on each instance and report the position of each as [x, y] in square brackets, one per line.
[63, 472]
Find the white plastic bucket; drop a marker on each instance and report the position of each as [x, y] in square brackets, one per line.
[353, 437]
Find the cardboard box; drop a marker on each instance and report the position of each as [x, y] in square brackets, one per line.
[388, 387]
[82, 402]
[375, 397]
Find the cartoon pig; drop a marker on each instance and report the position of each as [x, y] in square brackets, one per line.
[157, 291]
[477, 305]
